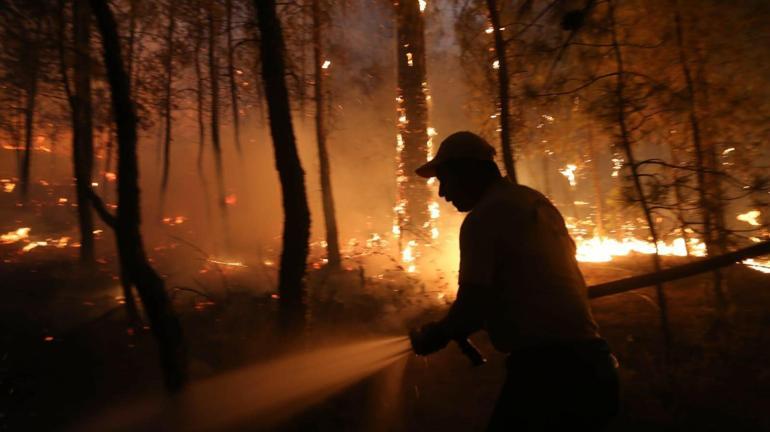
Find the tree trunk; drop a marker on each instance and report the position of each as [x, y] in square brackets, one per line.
[168, 103]
[296, 225]
[231, 76]
[214, 85]
[131, 38]
[503, 91]
[679, 200]
[413, 191]
[626, 143]
[330, 218]
[710, 215]
[30, 99]
[200, 97]
[678, 272]
[134, 265]
[83, 144]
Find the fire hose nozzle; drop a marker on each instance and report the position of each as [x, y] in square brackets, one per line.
[470, 351]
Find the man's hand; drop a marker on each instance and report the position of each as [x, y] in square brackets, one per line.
[429, 338]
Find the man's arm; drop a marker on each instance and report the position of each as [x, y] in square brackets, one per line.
[465, 316]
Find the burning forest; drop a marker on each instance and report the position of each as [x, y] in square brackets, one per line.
[261, 215]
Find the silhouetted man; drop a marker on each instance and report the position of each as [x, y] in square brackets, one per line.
[520, 282]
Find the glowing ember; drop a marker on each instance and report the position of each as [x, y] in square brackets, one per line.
[489, 30]
[15, 236]
[226, 263]
[110, 176]
[231, 199]
[423, 4]
[750, 217]
[496, 64]
[326, 64]
[176, 220]
[8, 186]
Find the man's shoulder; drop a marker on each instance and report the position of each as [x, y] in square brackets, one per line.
[508, 199]
[502, 207]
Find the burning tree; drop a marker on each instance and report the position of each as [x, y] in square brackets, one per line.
[414, 221]
[320, 68]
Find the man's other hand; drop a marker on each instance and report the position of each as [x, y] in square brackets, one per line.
[429, 338]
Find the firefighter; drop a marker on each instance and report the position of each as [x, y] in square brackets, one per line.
[519, 281]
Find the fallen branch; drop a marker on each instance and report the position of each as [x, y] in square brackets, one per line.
[678, 272]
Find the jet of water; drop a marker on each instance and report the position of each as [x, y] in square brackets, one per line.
[260, 394]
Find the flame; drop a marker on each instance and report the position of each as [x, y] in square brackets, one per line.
[408, 256]
[326, 64]
[569, 172]
[750, 217]
[409, 60]
[603, 249]
[758, 265]
[423, 4]
[15, 236]
[617, 164]
[496, 64]
[33, 245]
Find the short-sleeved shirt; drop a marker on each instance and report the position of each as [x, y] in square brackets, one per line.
[515, 243]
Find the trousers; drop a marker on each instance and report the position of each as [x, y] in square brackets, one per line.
[558, 387]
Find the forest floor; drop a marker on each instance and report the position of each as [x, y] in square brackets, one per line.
[66, 352]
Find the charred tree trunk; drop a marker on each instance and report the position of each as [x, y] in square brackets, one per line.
[678, 272]
[213, 27]
[413, 191]
[31, 58]
[83, 139]
[131, 38]
[626, 144]
[135, 268]
[199, 94]
[168, 103]
[503, 88]
[296, 225]
[330, 218]
[231, 76]
[710, 214]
